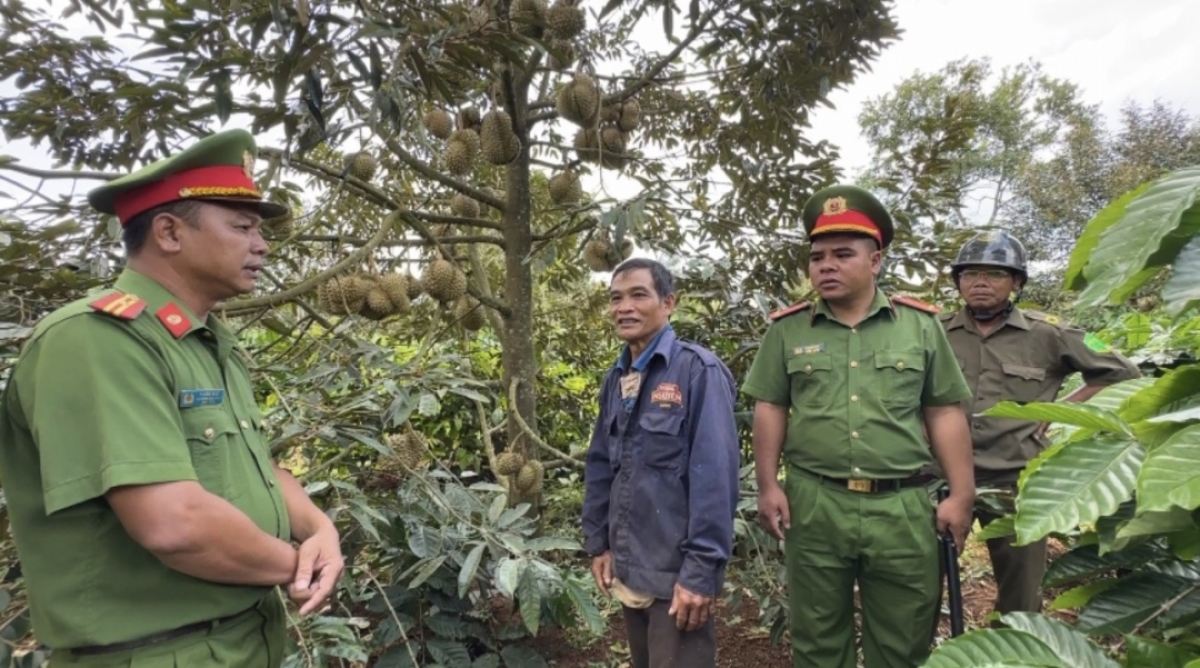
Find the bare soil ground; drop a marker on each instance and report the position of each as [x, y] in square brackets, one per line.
[743, 643]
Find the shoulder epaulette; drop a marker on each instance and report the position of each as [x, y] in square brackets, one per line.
[947, 315]
[917, 304]
[119, 305]
[1047, 318]
[788, 310]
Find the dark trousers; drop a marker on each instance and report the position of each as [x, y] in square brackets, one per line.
[654, 642]
[1018, 570]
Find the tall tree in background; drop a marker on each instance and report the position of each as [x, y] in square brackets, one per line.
[452, 136]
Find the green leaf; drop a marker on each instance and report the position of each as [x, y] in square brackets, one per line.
[447, 625]
[1182, 288]
[1150, 523]
[999, 528]
[1185, 544]
[507, 574]
[545, 543]
[529, 598]
[429, 405]
[1081, 483]
[424, 542]
[1147, 236]
[1185, 415]
[1173, 386]
[1080, 415]
[520, 656]
[469, 568]
[1171, 473]
[1147, 653]
[1079, 596]
[426, 571]
[1085, 563]
[1072, 647]
[1000, 647]
[487, 661]
[1130, 602]
[586, 607]
[449, 653]
[1087, 241]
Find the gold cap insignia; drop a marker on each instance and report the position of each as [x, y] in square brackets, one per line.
[835, 205]
[174, 319]
[248, 163]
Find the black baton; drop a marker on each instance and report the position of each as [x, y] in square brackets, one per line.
[953, 582]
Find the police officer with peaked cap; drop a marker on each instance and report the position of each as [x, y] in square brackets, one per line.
[1012, 354]
[845, 389]
[152, 524]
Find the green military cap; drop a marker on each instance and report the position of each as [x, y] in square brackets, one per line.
[219, 168]
[847, 209]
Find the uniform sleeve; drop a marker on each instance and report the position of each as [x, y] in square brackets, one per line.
[944, 381]
[1094, 359]
[99, 404]
[713, 479]
[597, 481]
[767, 379]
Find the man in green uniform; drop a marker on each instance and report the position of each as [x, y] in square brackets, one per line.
[1011, 354]
[845, 388]
[151, 522]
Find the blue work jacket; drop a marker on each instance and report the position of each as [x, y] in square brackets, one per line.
[661, 484]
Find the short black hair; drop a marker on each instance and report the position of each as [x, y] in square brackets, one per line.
[137, 230]
[664, 283]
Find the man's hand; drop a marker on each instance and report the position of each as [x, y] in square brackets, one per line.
[602, 571]
[317, 572]
[955, 515]
[773, 512]
[690, 610]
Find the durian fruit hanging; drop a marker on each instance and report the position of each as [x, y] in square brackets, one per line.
[444, 281]
[529, 478]
[342, 295]
[412, 286]
[565, 188]
[587, 144]
[509, 463]
[598, 254]
[528, 17]
[439, 123]
[578, 100]
[407, 456]
[566, 19]
[469, 313]
[461, 152]
[280, 227]
[562, 54]
[464, 206]
[386, 296]
[362, 165]
[498, 139]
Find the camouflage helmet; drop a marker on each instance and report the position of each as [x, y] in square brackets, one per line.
[992, 248]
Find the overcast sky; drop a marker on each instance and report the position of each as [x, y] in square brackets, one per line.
[1115, 50]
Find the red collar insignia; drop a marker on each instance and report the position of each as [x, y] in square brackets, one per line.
[172, 317]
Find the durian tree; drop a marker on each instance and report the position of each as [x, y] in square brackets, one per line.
[408, 138]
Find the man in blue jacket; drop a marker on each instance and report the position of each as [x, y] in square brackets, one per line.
[662, 477]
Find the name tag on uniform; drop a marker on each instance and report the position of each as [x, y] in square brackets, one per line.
[809, 350]
[194, 398]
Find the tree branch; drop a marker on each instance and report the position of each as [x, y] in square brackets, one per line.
[245, 305]
[537, 440]
[55, 174]
[359, 241]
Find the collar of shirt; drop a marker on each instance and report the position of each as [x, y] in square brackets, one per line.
[963, 319]
[659, 345]
[879, 303]
[156, 297]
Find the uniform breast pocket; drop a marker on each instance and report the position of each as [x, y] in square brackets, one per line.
[1022, 383]
[812, 379]
[900, 376]
[662, 439]
[211, 434]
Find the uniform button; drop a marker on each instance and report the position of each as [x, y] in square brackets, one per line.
[853, 397]
[854, 434]
[245, 425]
[854, 364]
[271, 482]
[899, 365]
[808, 367]
[854, 330]
[857, 471]
[208, 433]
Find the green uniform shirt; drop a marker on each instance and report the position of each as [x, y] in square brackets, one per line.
[95, 402]
[1024, 359]
[855, 393]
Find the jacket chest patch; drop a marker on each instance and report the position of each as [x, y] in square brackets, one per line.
[667, 394]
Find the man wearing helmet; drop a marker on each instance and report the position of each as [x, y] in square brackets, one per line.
[1011, 354]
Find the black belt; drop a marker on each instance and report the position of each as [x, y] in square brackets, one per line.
[875, 485]
[162, 636]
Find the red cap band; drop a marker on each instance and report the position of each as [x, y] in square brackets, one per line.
[218, 181]
[847, 221]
